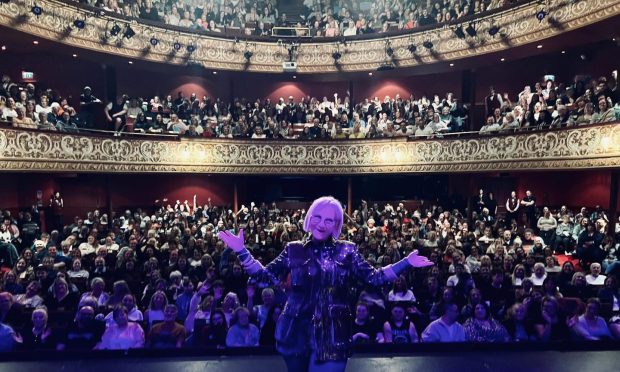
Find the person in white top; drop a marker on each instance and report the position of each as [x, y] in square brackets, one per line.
[400, 292]
[133, 313]
[123, 334]
[595, 277]
[446, 328]
[539, 274]
[88, 247]
[590, 326]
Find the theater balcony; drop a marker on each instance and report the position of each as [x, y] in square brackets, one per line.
[584, 147]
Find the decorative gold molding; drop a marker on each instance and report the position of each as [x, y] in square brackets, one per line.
[519, 26]
[581, 147]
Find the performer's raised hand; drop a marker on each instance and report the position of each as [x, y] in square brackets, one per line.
[235, 242]
[418, 261]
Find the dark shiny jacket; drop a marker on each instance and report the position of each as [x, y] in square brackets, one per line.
[316, 314]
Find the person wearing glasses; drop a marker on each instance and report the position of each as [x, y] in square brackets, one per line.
[313, 331]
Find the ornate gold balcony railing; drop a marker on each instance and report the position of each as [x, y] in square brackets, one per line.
[588, 147]
[518, 26]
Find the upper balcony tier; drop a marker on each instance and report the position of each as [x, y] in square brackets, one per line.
[496, 30]
[585, 147]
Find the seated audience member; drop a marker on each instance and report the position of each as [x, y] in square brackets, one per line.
[260, 311]
[481, 327]
[242, 333]
[214, 333]
[609, 294]
[364, 329]
[31, 298]
[400, 292]
[399, 330]
[553, 325]
[539, 275]
[133, 313]
[579, 287]
[40, 335]
[84, 333]
[123, 334]
[519, 327]
[267, 332]
[169, 333]
[590, 326]
[61, 298]
[446, 328]
[155, 311]
[595, 277]
[9, 339]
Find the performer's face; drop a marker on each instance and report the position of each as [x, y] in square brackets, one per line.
[323, 222]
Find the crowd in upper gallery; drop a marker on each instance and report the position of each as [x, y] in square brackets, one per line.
[544, 104]
[316, 18]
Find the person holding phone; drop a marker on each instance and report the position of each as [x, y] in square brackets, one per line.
[313, 331]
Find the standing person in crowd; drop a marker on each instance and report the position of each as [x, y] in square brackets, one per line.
[312, 329]
[116, 112]
[547, 225]
[57, 205]
[492, 102]
[87, 104]
[512, 209]
[529, 204]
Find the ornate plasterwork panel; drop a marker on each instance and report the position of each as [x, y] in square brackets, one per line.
[518, 26]
[582, 147]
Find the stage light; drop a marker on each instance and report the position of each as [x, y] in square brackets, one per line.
[154, 41]
[540, 15]
[176, 46]
[493, 30]
[336, 56]
[36, 10]
[79, 24]
[459, 32]
[412, 48]
[191, 49]
[389, 51]
[428, 44]
[129, 32]
[247, 55]
[115, 30]
[471, 31]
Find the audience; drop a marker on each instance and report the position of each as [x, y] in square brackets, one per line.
[312, 118]
[193, 292]
[318, 17]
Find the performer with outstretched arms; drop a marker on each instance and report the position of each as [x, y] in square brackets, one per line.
[313, 332]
